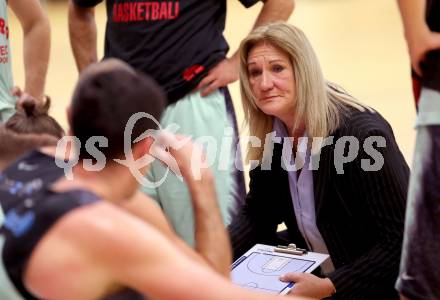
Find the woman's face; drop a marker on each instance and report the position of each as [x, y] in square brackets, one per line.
[272, 82]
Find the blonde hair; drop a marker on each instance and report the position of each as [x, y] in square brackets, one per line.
[321, 104]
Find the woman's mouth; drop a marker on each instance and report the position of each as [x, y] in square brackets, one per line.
[266, 98]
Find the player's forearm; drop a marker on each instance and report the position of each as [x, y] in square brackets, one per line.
[212, 240]
[275, 10]
[272, 11]
[82, 32]
[413, 18]
[145, 208]
[36, 45]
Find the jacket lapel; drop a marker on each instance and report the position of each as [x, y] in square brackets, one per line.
[321, 177]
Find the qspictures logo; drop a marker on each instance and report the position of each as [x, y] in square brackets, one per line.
[220, 153]
[124, 12]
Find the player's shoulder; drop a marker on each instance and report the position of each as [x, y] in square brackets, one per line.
[102, 225]
[93, 221]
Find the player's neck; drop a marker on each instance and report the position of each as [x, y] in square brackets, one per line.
[110, 184]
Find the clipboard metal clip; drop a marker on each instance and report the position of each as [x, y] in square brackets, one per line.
[290, 249]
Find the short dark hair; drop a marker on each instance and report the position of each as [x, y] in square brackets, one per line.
[33, 118]
[14, 144]
[104, 101]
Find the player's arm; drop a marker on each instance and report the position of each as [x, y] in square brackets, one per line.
[36, 44]
[227, 70]
[148, 210]
[82, 32]
[212, 239]
[419, 37]
[413, 17]
[272, 11]
[211, 236]
[142, 259]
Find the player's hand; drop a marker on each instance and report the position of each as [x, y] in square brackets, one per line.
[221, 75]
[17, 92]
[420, 45]
[41, 104]
[21, 95]
[309, 285]
[183, 156]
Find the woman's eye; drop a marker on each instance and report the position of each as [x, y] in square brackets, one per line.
[277, 68]
[254, 72]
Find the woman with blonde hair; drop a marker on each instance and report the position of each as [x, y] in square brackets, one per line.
[330, 170]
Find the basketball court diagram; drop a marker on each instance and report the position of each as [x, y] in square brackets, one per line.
[258, 271]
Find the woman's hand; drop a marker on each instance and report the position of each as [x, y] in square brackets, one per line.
[309, 285]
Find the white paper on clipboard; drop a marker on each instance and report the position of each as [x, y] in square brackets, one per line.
[260, 268]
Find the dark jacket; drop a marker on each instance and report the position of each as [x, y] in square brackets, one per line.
[360, 214]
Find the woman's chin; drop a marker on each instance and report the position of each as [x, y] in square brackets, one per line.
[271, 111]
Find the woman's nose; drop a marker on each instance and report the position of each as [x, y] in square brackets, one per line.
[266, 82]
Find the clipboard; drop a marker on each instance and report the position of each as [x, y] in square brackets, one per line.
[262, 265]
